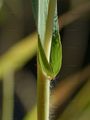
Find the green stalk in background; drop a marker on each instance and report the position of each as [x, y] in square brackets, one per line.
[49, 52]
[8, 96]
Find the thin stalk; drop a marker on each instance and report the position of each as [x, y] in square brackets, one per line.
[43, 83]
[8, 96]
[43, 96]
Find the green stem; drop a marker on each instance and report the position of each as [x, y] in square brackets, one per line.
[8, 96]
[43, 96]
[43, 82]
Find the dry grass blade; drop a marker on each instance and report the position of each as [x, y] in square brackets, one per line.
[67, 88]
[78, 104]
[18, 55]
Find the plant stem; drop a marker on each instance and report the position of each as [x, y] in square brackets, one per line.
[8, 96]
[43, 96]
[43, 83]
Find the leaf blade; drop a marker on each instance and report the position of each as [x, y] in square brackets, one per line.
[56, 47]
[51, 66]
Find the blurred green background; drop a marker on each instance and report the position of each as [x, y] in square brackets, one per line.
[17, 22]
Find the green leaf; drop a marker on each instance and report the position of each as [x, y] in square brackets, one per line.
[48, 31]
[43, 61]
[49, 45]
[43, 7]
[56, 47]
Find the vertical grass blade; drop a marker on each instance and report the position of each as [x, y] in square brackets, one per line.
[8, 96]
